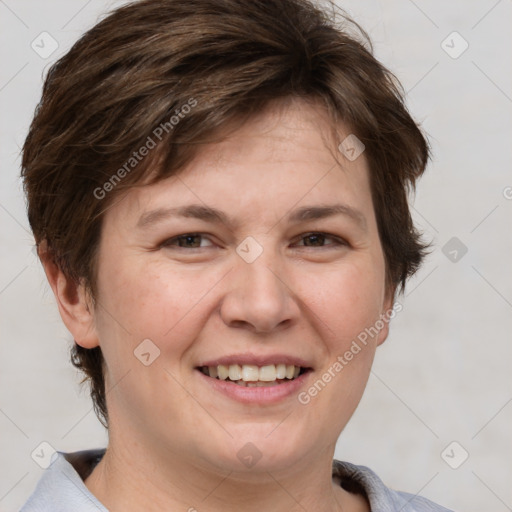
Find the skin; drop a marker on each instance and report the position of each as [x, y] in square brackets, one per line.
[173, 441]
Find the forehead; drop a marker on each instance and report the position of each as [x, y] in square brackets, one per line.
[285, 156]
[273, 135]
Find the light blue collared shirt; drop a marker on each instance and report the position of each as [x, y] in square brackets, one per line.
[62, 488]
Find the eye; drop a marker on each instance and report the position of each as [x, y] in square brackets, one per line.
[186, 241]
[318, 240]
[193, 241]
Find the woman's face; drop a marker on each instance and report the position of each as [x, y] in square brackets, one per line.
[250, 274]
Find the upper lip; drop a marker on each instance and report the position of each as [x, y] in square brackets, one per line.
[257, 360]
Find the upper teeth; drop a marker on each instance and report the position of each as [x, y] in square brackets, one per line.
[253, 373]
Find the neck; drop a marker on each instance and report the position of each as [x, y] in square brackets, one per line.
[141, 480]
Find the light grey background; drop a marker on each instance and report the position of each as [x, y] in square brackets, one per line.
[444, 373]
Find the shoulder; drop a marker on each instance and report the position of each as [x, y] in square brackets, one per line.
[381, 497]
[61, 488]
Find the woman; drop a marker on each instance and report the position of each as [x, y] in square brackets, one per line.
[218, 192]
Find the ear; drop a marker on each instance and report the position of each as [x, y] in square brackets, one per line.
[75, 306]
[386, 315]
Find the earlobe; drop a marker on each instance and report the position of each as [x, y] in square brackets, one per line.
[386, 316]
[75, 306]
[383, 333]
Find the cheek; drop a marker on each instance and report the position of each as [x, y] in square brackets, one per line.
[349, 301]
[152, 302]
[349, 313]
[140, 304]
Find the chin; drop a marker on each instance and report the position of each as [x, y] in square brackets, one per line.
[261, 447]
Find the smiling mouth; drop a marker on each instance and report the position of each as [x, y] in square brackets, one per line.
[249, 375]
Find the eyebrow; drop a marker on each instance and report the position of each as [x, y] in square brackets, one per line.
[215, 216]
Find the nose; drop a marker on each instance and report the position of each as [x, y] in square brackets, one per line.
[259, 297]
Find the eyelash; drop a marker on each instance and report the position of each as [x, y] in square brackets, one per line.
[338, 241]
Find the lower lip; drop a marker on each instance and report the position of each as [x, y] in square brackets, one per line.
[256, 395]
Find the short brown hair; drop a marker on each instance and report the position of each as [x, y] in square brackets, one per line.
[189, 69]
